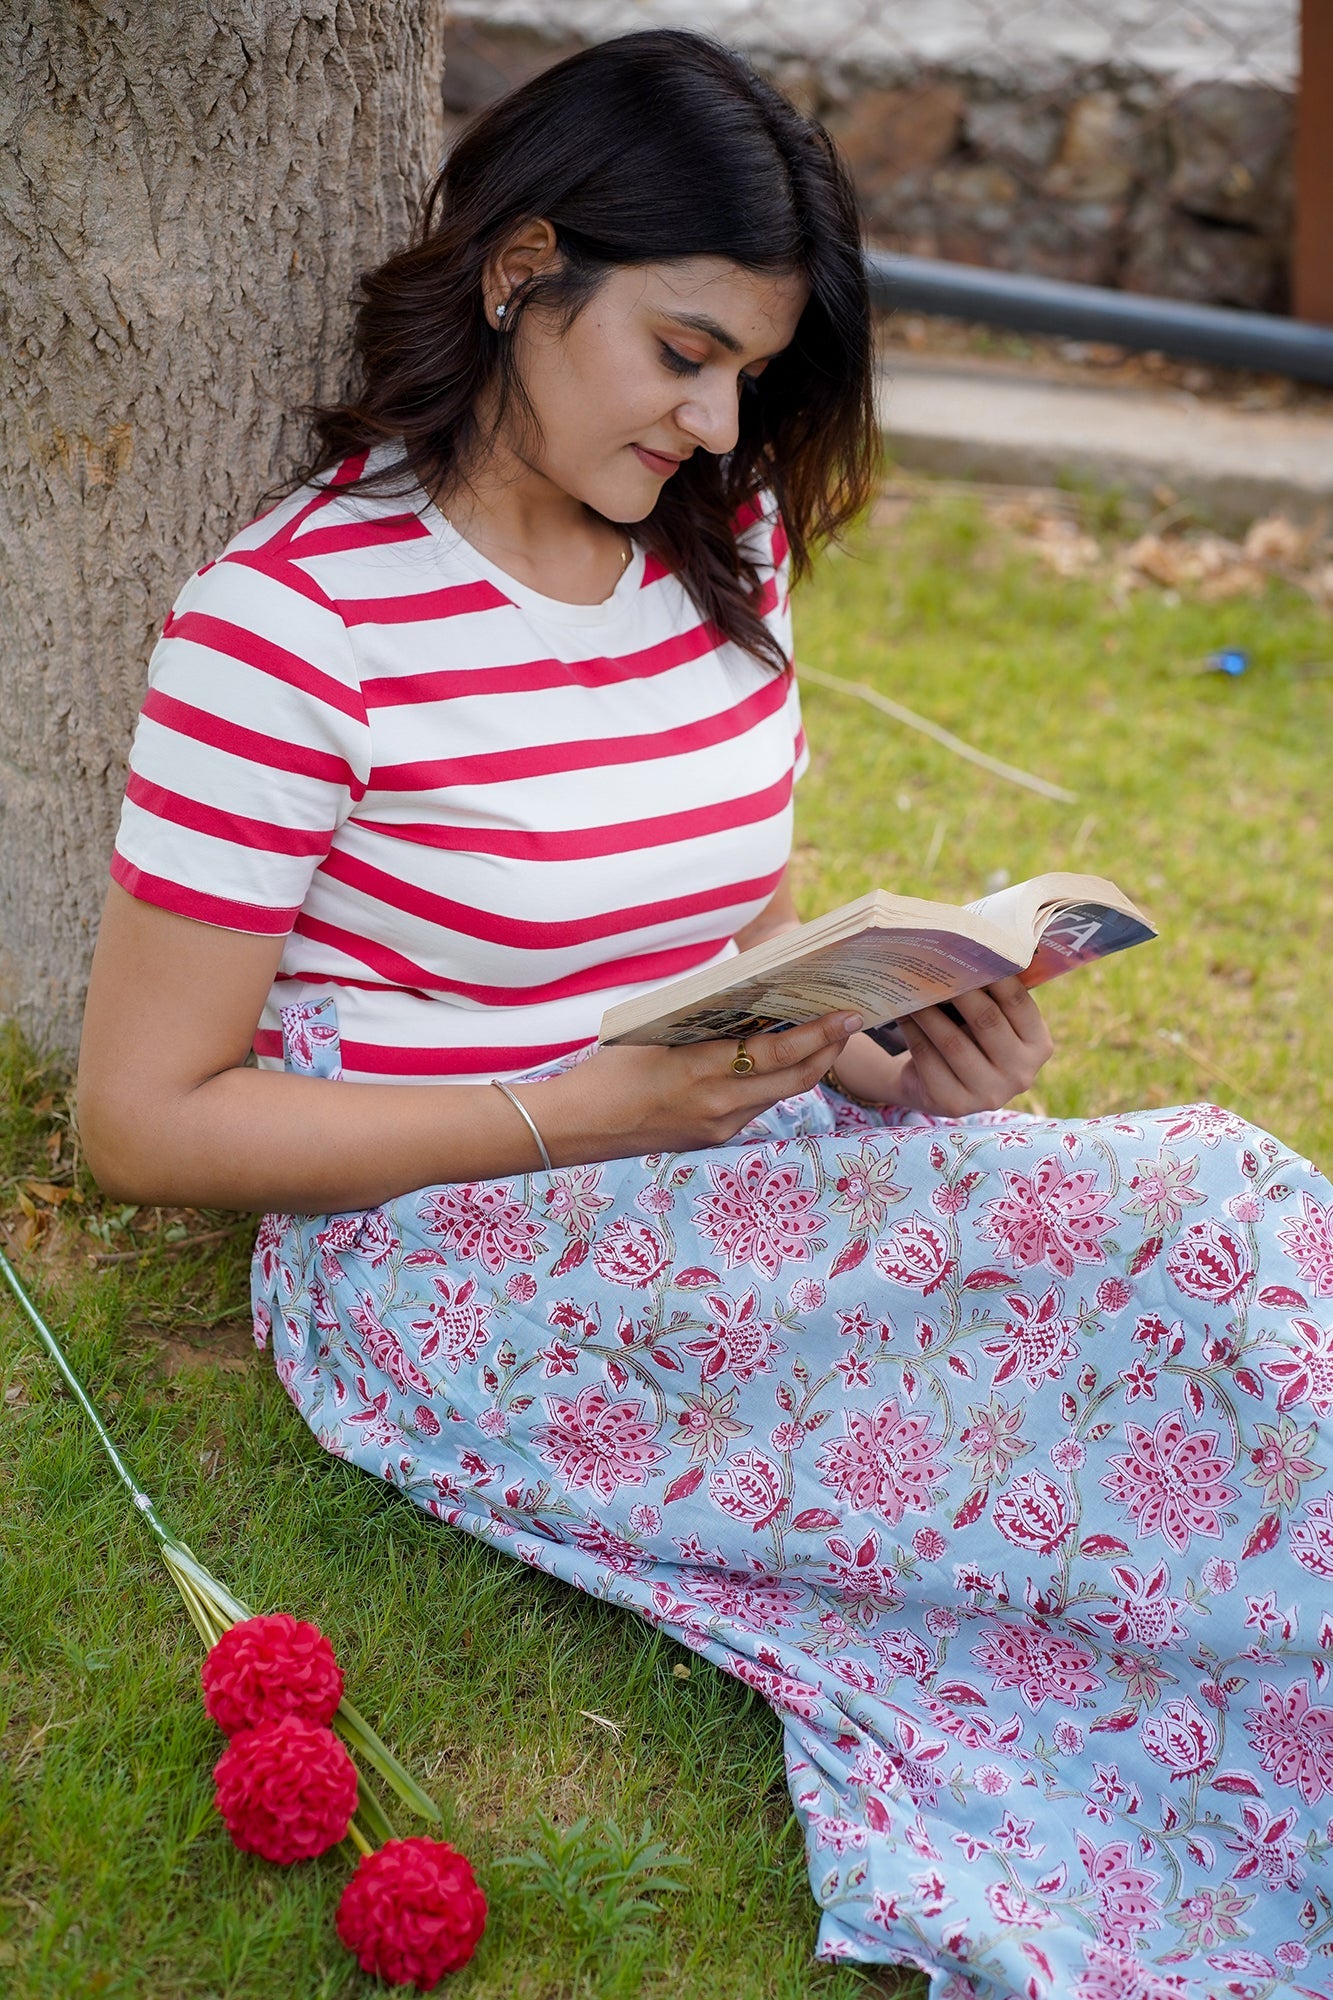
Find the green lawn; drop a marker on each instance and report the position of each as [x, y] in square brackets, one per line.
[506, 1693]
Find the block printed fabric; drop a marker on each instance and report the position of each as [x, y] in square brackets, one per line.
[995, 1454]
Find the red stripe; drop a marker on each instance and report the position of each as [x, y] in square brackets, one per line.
[540, 760]
[358, 535]
[528, 676]
[585, 843]
[404, 974]
[350, 469]
[450, 601]
[654, 569]
[220, 911]
[781, 545]
[746, 514]
[521, 934]
[800, 745]
[281, 570]
[251, 744]
[237, 642]
[235, 827]
[371, 1059]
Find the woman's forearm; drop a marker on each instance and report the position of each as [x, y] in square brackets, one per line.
[257, 1139]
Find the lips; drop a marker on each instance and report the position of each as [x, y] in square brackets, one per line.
[658, 462]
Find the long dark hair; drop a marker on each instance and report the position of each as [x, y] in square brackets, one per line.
[645, 149]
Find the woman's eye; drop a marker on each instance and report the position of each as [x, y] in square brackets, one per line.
[679, 364]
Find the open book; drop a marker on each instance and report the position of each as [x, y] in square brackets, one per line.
[883, 956]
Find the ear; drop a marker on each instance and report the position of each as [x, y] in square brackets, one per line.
[531, 252]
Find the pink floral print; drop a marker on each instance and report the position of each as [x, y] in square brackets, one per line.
[1172, 1480]
[1050, 1217]
[479, 1221]
[1036, 1342]
[1039, 1662]
[738, 1340]
[996, 1456]
[630, 1253]
[887, 1463]
[1307, 1238]
[595, 1442]
[759, 1213]
[1293, 1738]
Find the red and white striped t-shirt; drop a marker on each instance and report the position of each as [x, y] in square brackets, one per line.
[477, 816]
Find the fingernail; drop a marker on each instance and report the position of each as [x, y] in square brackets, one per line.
[852, 1024]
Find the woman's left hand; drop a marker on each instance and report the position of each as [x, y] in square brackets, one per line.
[951, 1069]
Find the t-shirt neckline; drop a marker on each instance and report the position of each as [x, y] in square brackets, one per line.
[553, 610]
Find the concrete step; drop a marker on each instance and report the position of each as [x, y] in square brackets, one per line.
[970, 419]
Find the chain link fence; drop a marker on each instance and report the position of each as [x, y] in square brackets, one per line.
[1134, 143]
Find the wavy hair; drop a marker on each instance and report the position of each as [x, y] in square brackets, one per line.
[656, 146]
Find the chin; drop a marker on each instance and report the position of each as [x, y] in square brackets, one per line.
[624, 500]
[628, 507]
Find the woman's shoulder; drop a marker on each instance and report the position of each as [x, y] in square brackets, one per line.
[334, 515]
[329, 548]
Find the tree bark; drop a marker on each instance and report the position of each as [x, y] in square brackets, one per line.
[188, 192]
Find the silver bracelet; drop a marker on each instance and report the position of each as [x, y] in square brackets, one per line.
[528, 1120]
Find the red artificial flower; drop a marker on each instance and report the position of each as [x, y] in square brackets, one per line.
[286, 1790]
[268, 1667]
[412, 1912]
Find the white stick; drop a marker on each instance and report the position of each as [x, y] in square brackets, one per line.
[938, 735]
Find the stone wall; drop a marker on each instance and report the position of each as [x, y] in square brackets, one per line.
[1105, 174]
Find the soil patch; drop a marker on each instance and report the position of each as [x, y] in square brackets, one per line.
[229, 1346]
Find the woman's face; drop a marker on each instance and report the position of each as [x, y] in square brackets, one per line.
[650, 371]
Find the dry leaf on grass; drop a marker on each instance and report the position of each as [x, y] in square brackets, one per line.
[1062, 545]
[1278, 541]
[1216, 567]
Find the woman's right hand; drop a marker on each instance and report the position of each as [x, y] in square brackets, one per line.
[623, 1102]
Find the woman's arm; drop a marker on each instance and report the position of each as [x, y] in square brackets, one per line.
[777, 915]
[169, 1113]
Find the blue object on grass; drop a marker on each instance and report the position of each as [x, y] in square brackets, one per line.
[1230, 661]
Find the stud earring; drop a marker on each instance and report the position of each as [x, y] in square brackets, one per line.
[500, 311]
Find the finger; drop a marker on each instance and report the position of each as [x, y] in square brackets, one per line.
[1023, 1013]
[970, 1065]
[940, 1089]
[790, 1048]
[992, 1027]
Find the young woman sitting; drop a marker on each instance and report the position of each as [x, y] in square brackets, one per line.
[992, 1451]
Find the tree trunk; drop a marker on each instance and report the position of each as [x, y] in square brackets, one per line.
[190, 190]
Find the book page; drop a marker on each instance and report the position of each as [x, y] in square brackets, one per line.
[879, 975]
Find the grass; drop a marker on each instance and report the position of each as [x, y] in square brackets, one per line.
[510, 1696]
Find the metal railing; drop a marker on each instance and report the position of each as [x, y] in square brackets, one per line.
[1118, 170]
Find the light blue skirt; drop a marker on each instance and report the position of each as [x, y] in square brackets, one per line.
[995, 1454]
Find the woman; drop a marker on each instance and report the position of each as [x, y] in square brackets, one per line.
[989, 1450]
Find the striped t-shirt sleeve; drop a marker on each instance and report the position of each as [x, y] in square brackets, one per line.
[252, 747]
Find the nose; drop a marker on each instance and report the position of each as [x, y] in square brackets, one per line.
[711, 414]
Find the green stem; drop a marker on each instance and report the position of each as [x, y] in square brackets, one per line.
[82, 1398]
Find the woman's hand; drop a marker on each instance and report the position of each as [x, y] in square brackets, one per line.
[951, 1069]
[627, 1101]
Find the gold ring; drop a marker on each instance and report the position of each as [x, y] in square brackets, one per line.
[742, 1062]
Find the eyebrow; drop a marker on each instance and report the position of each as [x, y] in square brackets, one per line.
[701, 323]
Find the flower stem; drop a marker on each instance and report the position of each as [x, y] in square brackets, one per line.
[82, 1398]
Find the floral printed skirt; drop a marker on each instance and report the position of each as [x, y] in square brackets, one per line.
[997, 1455]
